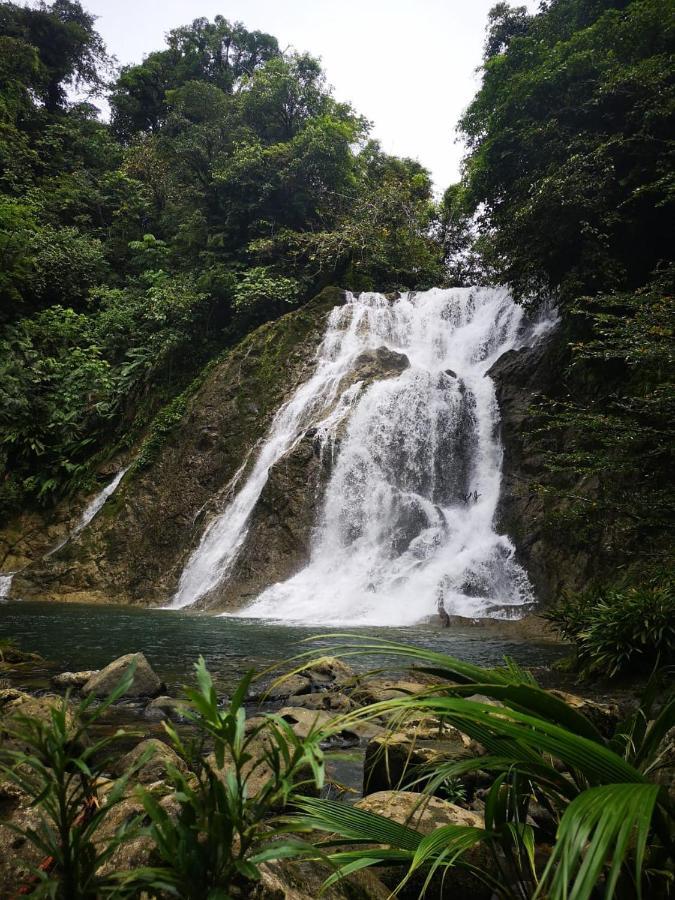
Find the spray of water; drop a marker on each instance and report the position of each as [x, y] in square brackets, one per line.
[407, 527]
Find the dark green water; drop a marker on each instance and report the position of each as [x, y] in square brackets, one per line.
[81, 636]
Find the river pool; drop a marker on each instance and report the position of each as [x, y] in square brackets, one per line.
[81, 636]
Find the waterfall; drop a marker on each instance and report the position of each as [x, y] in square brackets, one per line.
[92, 509]
[6, 584]
[88, 514]
[406, 528]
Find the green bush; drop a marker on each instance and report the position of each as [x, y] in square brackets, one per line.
[608, 819]
[617, 630]
[57, 763]
[223, 830]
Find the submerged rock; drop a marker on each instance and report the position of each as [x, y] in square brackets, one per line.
[166, 708]
[145, 683]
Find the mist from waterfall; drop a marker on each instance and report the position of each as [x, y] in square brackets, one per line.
[407, 525]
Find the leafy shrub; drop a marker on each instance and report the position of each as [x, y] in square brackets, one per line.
[259, 287]
[55, 763]
[617, 630]
[609, 825]
[223, 829]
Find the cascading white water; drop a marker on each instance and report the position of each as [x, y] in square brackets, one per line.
[95, 506]
[92, 509]
[6, 584]
[407, 523]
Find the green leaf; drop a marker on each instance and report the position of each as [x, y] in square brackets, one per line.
[598, 829]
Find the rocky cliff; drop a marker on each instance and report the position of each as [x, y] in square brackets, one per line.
[530, 499]
[135, 549]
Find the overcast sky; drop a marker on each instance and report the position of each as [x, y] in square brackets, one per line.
[407, 65]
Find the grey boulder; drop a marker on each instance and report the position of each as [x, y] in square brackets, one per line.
[145, 682]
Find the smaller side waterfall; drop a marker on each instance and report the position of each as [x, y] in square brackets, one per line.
[95, 506]
[89, 512]
[92, 509]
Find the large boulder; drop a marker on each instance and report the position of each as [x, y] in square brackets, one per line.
[303, 721]
[14, 702]
[377, 690]
[292, 686]
[605, 716]
[323, 675]
[302, 880]
[145, 683]
[156, 767]
[257, 770]
[329, 671]
[426, 814]
[419, 811]
[328, 701]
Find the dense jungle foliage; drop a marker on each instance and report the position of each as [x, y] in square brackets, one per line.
[229, 186]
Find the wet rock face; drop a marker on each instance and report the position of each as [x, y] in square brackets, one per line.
[277, 543]
[375, 365]
[522, 378]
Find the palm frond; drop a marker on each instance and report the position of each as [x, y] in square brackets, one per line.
[357, 825]
[598, 829]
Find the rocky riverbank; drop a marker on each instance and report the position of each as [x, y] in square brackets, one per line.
[370, 762]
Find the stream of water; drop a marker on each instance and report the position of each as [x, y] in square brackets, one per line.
[77, 636]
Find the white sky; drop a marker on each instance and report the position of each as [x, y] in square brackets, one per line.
[409, 67]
